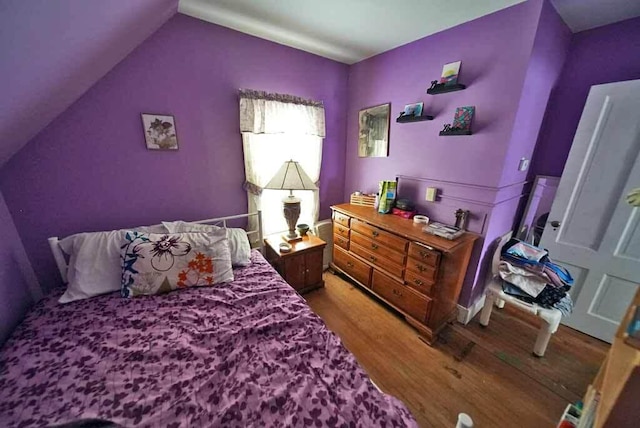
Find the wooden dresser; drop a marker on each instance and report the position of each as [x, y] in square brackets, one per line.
[418, 274]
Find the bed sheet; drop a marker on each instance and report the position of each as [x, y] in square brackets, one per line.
[245, 353]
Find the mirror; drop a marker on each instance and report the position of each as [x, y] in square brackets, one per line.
[538, 207]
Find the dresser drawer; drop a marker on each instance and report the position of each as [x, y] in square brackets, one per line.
[377, 248]
[379, 236]
[419, 282]
[354, 267]
[341, 218]
[424, 254]
[341, 230]
[401, 296]
[423, 270]
[377, 259]
[341, 241]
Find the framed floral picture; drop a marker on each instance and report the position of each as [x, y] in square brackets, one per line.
[373, 131]
[160, 131]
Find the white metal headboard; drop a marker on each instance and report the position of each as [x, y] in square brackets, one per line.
[63, 265]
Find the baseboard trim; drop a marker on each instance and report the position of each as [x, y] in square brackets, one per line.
[465, 315]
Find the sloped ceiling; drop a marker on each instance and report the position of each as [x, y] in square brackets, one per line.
[51, 52]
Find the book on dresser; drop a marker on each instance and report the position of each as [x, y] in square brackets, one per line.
[418, 274]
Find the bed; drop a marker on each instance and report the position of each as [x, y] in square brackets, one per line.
[245, 353]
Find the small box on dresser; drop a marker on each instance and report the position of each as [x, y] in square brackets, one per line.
[419, 275]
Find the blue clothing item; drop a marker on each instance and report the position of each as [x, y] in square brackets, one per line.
[526, 251]
[517, 253]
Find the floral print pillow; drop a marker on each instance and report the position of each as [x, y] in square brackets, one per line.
[159, 263]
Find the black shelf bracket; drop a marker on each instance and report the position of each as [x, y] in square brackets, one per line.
[443, 88]
[455, 132]
[409, 119]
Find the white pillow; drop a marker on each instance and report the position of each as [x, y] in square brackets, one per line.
[94, 262]
[238, 241]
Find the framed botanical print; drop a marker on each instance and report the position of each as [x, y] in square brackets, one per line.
[373, 131]
[160, 131]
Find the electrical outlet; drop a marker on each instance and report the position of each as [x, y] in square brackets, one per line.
[524, 164]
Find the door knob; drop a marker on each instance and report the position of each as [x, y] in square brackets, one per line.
[555, 223]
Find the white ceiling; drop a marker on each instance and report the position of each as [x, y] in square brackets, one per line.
[352, 30]
[582, 15]
[344, 30]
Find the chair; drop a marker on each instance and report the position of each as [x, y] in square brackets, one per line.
[495, 296]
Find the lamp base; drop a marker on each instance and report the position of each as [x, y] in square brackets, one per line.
[291, 211]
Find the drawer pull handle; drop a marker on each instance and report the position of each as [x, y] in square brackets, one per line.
[350, 264]
[424, 254]
[421, 268]
[397, 293]
[418, 282]
[374, 246]
[373, 259]
[374, 233]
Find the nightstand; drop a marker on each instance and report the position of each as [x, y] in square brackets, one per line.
[302, 266]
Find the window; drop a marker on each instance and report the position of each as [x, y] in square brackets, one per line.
[277, 128]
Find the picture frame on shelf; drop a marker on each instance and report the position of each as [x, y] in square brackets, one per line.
[448, 81]
[413, 109]
[463, 117]
[461, 122]
[450, 73]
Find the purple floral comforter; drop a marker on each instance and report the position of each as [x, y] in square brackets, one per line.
[247, 353]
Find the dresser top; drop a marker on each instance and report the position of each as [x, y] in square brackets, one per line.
[403, 227]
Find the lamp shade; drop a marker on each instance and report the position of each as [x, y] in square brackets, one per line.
[291, 176]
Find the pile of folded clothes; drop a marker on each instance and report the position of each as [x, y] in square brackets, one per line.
[529, 275]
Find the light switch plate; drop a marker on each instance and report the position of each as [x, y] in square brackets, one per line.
[431, 194]
[524, 164]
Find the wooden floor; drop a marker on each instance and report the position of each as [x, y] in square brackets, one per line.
[488, 373]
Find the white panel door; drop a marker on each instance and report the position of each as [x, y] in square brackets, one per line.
[592, 230]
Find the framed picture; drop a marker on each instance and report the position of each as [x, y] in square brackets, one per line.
[450, 73]
[160, 131]
[413, 109]
[463, 117]
[373, 131]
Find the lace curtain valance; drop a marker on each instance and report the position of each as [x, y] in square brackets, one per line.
[270, 113]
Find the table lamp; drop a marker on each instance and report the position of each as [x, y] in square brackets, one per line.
[291, 177]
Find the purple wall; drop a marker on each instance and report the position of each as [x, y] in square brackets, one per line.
[16, 282]
[545, 64]
[602, 55]
[90, 169]
[510, 61]
[494, 51]
[53, 51]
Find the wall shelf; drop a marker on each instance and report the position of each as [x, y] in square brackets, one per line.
[454, 133]
[409, 119]
[442, 88]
